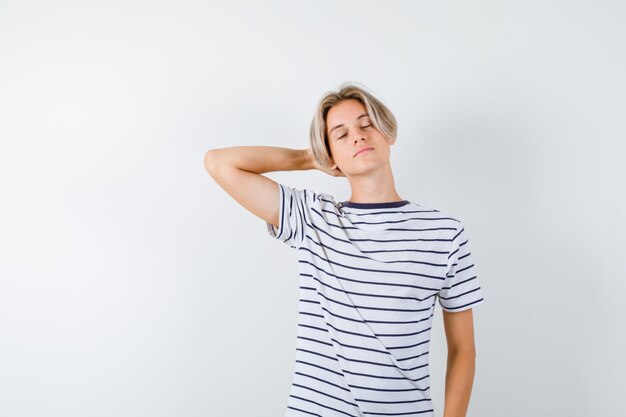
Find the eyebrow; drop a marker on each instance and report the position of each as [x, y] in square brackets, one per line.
[331, 130]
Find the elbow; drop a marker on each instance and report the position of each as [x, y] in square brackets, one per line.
[467, 352]
[210, 161]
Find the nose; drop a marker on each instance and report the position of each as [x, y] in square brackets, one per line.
[359, 133]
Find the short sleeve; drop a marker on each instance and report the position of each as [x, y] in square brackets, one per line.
[461, 289]
[294, 215]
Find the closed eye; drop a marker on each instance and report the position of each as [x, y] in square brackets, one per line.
[345, 134]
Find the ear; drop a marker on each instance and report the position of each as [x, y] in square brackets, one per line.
[331, 162]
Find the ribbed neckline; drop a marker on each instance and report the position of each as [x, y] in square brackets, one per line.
[388, 204]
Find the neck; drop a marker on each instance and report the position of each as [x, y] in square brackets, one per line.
[375, 187]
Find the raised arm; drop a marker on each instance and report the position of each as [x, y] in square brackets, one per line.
[238, 171]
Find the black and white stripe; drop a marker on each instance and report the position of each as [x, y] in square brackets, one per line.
[369, 276]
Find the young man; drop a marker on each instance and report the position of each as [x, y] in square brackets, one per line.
[371, 267]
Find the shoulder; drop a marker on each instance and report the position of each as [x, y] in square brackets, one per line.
[325, 198]
[308, 196]
[444, 217]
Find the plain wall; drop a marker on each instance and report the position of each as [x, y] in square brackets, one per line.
[132, 285]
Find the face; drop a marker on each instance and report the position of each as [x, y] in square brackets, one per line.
[349, 130]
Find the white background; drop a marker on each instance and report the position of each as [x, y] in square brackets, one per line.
[132, 285]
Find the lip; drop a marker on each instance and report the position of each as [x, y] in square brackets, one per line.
[369, 148]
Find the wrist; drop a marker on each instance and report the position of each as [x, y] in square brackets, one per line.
[308, 162]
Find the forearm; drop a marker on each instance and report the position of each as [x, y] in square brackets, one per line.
[459, 379]
[260, 159]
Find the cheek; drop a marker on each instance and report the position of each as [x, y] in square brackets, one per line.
[342, 150]
[336, 146]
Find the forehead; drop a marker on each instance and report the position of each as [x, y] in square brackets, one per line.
[346, 110]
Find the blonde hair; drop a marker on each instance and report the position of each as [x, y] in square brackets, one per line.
[379, 114]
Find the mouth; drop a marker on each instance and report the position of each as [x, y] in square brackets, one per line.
[363, 150]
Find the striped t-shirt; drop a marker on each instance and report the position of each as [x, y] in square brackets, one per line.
[369, 276]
